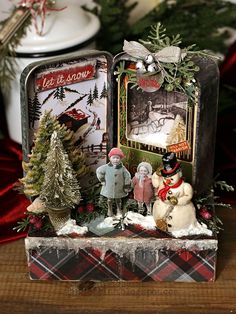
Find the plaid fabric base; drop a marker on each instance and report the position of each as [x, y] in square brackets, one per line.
[183, 266]
[83, 259]
[89, 264]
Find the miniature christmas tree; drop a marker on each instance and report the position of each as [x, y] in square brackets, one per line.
[60, 187]
[34, 169]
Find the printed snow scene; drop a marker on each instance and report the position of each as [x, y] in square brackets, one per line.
[157, 119]
[77, 94]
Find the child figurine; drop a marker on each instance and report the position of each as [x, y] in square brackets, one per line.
[173, 209]
[115, 179]
[143, 188]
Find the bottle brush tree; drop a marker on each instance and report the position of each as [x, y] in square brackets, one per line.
[60, 188]
[34, 168]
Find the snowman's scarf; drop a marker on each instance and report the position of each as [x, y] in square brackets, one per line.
[162, 193]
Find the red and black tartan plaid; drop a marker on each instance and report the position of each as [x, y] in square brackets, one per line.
[91, 263]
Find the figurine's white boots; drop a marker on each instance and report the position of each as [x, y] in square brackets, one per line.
[109, 207]
[119, 212]
[118, 202]
[174, 206]
[141, 208]
[149, 209]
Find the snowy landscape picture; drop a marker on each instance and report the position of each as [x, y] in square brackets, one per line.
[77, 94]
[157, 119]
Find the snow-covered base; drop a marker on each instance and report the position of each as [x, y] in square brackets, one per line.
[121, 245]
[192, 230]
[147, 222]
[130, 218]
[102, 225]
[108, 222]
[71, 228]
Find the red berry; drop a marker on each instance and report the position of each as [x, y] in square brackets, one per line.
[33, 219]
[204, 213]
[80, 209]
[38, 224]
[90, 207]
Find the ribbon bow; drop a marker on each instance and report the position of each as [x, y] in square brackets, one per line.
[171, 54]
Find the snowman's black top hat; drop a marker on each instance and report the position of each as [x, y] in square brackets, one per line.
[170, 165]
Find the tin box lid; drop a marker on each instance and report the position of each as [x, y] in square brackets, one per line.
[63, 29]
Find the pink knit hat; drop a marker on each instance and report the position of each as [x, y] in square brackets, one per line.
[116, 151]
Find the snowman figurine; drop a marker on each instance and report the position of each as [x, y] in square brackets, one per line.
[173, 209]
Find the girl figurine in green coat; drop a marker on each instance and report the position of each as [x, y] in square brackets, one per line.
[115, 179]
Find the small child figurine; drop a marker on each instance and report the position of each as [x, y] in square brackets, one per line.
[173, 210]
[115, 179]
[143, 188]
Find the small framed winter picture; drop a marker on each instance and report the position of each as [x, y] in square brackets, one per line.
[153, 121]
[159, 119]
[76, 91]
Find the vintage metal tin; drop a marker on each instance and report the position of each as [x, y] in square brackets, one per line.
[147, 126]
[77, 88]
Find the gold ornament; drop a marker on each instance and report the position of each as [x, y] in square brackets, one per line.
[173, 200]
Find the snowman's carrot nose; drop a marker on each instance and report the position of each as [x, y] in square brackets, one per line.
[168, 181]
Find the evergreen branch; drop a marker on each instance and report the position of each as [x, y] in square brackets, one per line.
[224, 186]
[8, 63]
[22, 225]
[223, 205]
[191, 19]
[158, 38]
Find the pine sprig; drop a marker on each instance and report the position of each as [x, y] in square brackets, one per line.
[208, 201]
[22, 225]
[8, 63]
[223, 186]
[30, 223]
[196, 19]
[158, 38]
